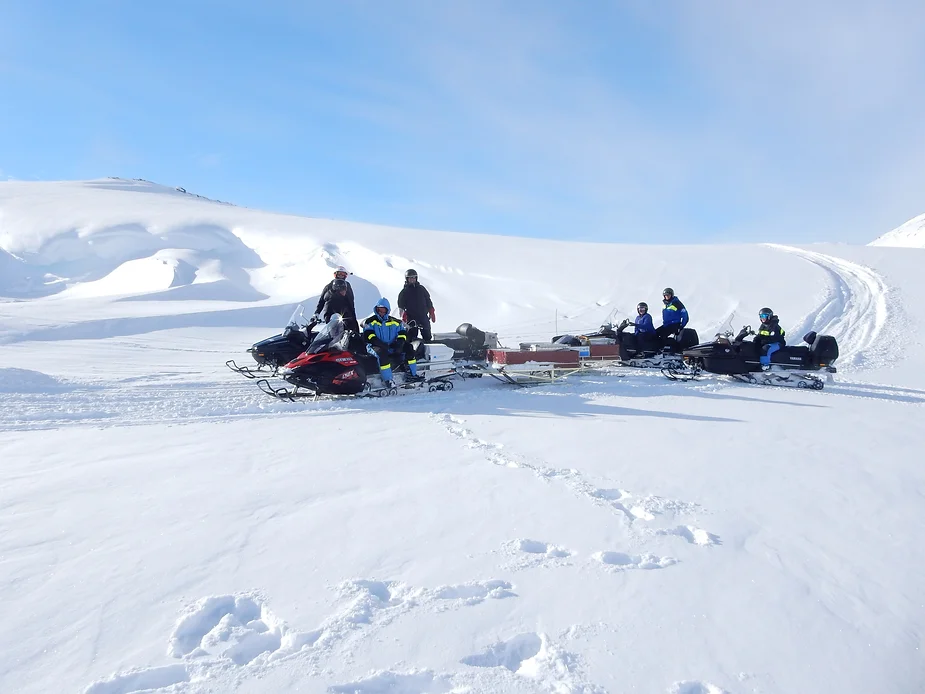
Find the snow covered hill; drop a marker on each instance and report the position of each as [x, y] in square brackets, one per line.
[908, 235]
[168, 528]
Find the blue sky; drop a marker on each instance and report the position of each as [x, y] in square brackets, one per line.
[644, 121]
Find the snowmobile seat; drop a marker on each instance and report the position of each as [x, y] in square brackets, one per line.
[795, 356]
[475, 336]
[824, 350]
[689, 338]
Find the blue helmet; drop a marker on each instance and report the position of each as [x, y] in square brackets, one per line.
[384, 303]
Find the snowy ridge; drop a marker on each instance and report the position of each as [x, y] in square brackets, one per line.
[908, 235]
[855, 311]
[169, 529]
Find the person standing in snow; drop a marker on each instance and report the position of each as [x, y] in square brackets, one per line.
[339, 274]
[674, 315]
[337, 300]
[386, 339]
[415, 304]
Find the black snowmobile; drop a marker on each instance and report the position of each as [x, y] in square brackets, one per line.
[638, 351]
[337, 363]
[790, 366]
[651, 352]
[274, 352]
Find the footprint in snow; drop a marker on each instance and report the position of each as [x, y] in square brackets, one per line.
[696, 536]
[415, 682]
[621, 562]
[141, 680]
[534, 657]
[525, 554]
[695, 687]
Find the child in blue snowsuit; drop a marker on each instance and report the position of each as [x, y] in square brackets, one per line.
[387, 340]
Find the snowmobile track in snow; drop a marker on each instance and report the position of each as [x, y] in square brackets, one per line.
[855, 310]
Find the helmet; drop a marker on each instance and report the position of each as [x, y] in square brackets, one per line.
[411, 272]
[340, 269]
[339, 285]
[668, 291]
[384, 303]
[765, 314]
[641, 305]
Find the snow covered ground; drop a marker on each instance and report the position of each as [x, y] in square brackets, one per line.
[166, 527]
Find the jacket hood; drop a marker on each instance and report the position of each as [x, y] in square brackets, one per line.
[383, 302]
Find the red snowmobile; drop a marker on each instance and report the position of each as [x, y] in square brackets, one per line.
[336, 363]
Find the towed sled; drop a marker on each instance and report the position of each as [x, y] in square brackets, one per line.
[277, 351]
[790, 366]
[336, 363]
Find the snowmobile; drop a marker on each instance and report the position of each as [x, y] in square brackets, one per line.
[274, 352]
[638, 351]
[337, 363]
[651, 352]
[790, 366]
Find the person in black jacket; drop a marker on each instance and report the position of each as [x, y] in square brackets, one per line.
[337, 300]
[339, 274]
[415, 304]
[770, 336]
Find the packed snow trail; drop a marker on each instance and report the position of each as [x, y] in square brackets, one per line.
[855, 310]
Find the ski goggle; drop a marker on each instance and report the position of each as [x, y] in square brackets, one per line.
[764, 316]
[642, 309]
[340, 275]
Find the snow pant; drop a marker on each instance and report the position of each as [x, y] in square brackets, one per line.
[393, 354]
[668, 330]
[768, 351]
[422, 324]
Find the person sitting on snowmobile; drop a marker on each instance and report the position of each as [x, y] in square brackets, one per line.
[386, 339]
[339, 274]
[769, 338]
[674, 315]
[338, 300]
[415, 304]
[644, 325]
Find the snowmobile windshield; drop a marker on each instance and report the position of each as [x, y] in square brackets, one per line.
[332, 336]
[612, 320]
[297, 320]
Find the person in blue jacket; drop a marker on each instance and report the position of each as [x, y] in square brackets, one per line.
[644, 325]
[674, 315]
[387, 340]
[646, 338]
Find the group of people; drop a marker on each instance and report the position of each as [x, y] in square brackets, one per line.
[387, 338]
[769, 338]
[674, 317]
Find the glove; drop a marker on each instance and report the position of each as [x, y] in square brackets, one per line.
[404, 316]
[315, 317]
[433, 316]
